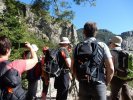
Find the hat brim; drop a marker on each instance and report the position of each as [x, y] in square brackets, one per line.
[118, 44]
[64, 42]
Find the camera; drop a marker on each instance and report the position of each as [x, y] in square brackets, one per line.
[19, 45]
[22, 45]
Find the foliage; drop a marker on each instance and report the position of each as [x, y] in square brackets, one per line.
[40, 7]
[13, 25]
[91, 2]
[60, 9]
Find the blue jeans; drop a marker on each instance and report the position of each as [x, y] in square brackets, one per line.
[92, 91]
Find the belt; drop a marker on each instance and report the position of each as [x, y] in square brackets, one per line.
[88, 78]
[65, 70]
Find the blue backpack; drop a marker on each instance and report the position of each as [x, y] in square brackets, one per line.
[10, 83]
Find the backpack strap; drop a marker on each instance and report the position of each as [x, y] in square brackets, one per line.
[96, 47]
[3, 68]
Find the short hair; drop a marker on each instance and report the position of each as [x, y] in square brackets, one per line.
[90, 29]
[4, 45]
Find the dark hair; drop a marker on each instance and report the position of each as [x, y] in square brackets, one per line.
[90, 29]
[4, 45]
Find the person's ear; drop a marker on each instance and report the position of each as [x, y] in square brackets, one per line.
[8, 51]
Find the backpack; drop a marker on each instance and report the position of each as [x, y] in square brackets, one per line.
[35, 73]
[51, 63]
[10, 83]
[88, 60]
[124, 69]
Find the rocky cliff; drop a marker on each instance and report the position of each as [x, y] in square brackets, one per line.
[2, 7]
[128, 40]
[52, 31]
[42, 29]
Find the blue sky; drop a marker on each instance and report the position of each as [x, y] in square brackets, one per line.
[114, 15]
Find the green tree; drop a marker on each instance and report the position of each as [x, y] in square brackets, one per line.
[59, 9]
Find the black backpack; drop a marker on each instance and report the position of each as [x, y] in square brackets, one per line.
[124, 69]
[51, 63]
[10, 83]
[88, 60]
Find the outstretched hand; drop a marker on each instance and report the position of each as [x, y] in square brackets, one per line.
[28, 45]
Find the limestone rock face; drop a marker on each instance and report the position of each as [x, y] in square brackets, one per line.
[2, 7]
[50, 31]
[128, 40]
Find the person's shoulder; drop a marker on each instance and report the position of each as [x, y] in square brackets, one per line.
[79, 44]
[17, 62]
[102, 44]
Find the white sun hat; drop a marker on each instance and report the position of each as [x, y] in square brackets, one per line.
[34, 46]
[64, 40]
[117, 40]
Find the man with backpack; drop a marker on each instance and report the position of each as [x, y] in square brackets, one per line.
[64, 61]
[119, 86]
[92, 65]
[10, 72]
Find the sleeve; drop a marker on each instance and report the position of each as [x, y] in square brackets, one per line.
[19, 65]
[107, 52]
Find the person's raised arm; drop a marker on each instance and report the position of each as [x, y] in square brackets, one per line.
[31, 62]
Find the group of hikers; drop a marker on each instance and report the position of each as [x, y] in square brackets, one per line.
[94, 64]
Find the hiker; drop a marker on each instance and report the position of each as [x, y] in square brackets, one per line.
[119, 86]
[92, 60]
[62, 81]
[45, 76]
[34, 77]
[10, 72]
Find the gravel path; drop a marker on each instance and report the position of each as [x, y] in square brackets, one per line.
[72, 96]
